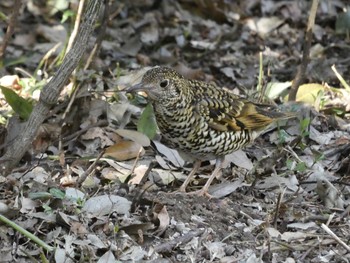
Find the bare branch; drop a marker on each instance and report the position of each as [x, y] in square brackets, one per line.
[300, 76]
[10, 27]
[51, 91]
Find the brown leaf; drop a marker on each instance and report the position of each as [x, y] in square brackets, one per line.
[161, 213]
[139, 173]
[124, 150]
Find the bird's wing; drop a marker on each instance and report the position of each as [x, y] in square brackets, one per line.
[232, 115]
[225, 111]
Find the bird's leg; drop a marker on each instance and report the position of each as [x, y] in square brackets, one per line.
[195, 168]
[218, 166]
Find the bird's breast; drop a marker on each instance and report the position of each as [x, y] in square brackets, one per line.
[190, 133]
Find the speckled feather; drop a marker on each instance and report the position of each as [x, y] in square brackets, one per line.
[199, 118]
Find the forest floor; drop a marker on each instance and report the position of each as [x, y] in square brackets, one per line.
[284, 198]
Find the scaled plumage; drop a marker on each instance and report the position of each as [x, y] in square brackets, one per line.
[201, 120]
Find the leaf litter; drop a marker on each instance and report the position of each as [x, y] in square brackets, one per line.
[272, 197]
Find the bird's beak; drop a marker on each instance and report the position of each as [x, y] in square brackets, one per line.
[148, 89]
[135, 88]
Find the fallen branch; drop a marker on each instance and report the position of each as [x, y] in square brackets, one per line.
[169, 246]
[335, 237]
[51, 91]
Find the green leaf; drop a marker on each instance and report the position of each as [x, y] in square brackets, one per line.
[342, 24]
[47, 209]
[66, 15]
[301, 167]
[290, 164]
[282, 135]
[40, 196]
[304, 127]
[147, 123]
[57, 193]
[20, 105]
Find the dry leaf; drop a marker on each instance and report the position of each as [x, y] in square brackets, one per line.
[139, 173]
[106, 204]
[160, 212]
[124, 150]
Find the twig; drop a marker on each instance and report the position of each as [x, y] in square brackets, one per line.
[149, 169]
[335, 237]
[168, 246]
[330, 218]
[307, 252]
[286, 245]
[88, 171]
[345, 213]
[68, 48]
[68, 108]
[10, 28]
[247, 216]
[101, 34]
[116, 12]
[300, 76]
[76, 26]
[341, 79]
[92, 54]
[100, 123]
[26, 233]
[260, 78]
[278, 206]
[136, 160]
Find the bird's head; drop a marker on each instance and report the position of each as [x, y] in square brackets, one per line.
[161, 84]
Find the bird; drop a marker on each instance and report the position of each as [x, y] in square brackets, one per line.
[201, 120]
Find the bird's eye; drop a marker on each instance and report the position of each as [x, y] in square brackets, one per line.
[164, 83]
